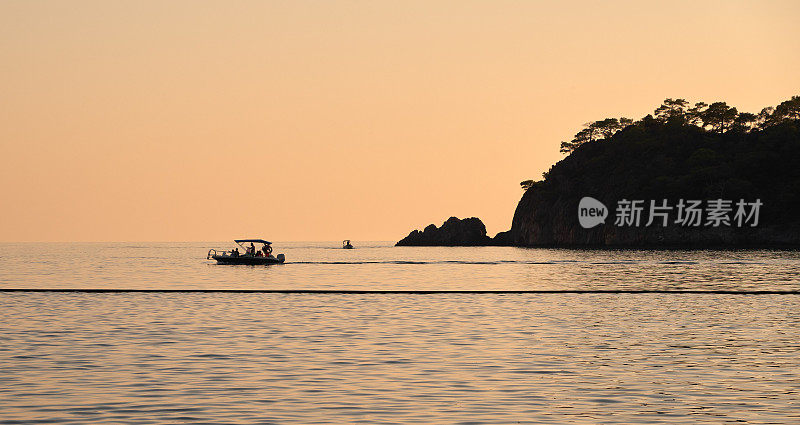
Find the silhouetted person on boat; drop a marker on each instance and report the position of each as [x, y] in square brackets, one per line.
[267, 250]
[235, 252]
[252, 249]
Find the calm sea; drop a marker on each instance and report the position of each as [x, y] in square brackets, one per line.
[397, 358]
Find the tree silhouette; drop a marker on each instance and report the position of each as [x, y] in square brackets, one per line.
[694, 114]
[745, 122]
[587, 134]
[602, 129]
[719, 116]
[671, 109]
[765, 117]
[789, 109]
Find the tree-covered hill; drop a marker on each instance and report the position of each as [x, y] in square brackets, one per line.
[707, 153]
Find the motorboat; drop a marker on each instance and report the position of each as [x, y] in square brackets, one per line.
[252, 254]
[346, 244]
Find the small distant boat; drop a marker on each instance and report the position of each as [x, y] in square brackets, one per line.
[252, 255]
[346, 244]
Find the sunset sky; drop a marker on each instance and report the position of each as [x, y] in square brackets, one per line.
[329, 120]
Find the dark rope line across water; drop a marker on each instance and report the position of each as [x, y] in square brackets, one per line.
[502, 262]
[409, 291]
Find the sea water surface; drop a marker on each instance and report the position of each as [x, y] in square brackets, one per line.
[179, 357]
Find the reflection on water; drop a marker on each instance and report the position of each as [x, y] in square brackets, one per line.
[397, 358]
[273, 358]
[381, 266]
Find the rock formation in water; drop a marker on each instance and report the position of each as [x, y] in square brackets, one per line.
[454, 232]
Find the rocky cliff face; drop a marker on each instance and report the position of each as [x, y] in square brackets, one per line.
[454, 232]
[659, 163]
[542, 221]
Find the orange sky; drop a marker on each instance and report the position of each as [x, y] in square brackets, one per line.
[326, 120]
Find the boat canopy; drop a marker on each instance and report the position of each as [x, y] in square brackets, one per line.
[252, 240]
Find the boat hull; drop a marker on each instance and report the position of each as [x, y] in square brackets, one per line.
[247, 260]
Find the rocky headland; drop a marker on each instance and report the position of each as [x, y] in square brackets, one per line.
[668, 159]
